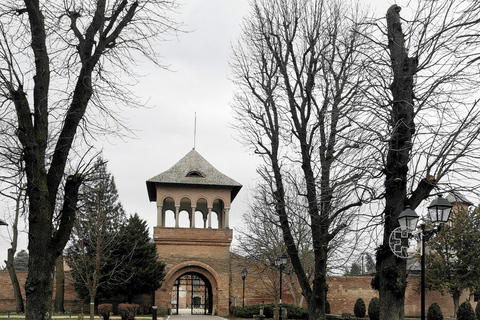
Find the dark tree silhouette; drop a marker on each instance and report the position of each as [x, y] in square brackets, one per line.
[59, 64]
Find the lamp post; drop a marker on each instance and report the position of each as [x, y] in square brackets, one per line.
[244, 275]
[439, 212]
[281, 262]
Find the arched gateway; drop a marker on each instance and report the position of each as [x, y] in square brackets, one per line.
[195, 195]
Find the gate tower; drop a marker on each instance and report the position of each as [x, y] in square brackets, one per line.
[197, 255]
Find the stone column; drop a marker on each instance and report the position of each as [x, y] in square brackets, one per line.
[192, 220]
[226, 217]
[209, 217]
[160, 216]
[177, 218]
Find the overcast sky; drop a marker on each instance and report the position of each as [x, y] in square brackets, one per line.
[198, 83]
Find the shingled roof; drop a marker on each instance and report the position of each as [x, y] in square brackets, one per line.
[192, 170]
[457, 197]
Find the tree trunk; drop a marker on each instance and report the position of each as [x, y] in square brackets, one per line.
[59, 285]
[316, 301]
[456, 303]
[45, 245]
[391, 286]
[391, 271]
[19, 306]
[39, 285]
[92, 307]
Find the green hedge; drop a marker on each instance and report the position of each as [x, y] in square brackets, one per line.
[359, 309]
[434, 312]
[293, 312]
[374, 309]
[465, 312]
[247, 311]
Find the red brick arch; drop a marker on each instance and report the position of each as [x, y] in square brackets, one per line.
[188, 267]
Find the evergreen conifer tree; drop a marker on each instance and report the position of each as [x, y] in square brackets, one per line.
[146, 272]
[96, 237]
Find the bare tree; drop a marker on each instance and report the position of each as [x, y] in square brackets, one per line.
[300, 72]
[59, 71]
[424, 94]
[260, 240]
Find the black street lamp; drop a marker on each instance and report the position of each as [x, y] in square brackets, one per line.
[244, 275]
[439, 212]
[281, 262]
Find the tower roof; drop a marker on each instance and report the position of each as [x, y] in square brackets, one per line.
[457, 197]
[192, 170]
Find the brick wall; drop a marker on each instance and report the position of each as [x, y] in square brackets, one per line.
[342, 293]
[7, 302]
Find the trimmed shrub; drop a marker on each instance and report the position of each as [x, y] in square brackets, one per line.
[162, 312]
[465, 312]
[374, 309]
[327, 307]
[247, 311]
[359, 308]
[434, 312]
[104, 310]
[293, 312]
[145, 308]
[128, 311]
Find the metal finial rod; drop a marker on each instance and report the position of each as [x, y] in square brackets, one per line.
[195, 131]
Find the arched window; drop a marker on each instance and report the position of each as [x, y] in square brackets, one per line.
[214, 220]
[184, 221]
[199, 222]
[169, 218]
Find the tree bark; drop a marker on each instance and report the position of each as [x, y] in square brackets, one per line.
[391, 271]
[59, 286]
[45, 246]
